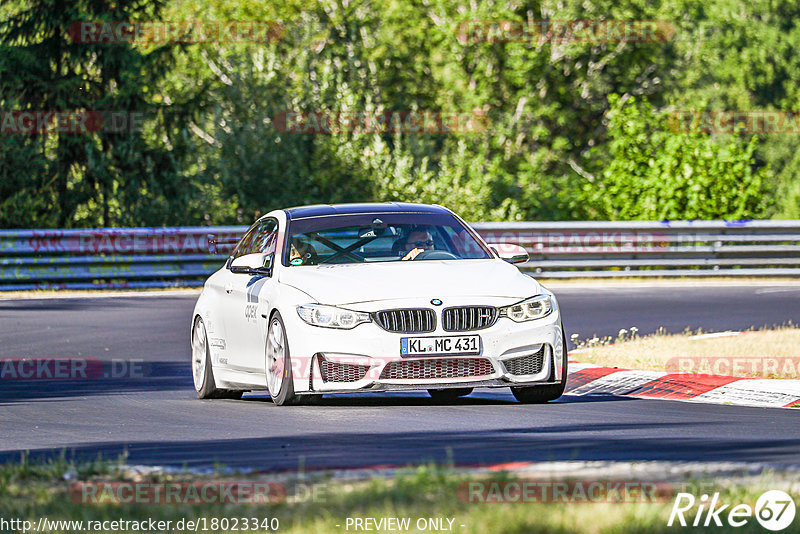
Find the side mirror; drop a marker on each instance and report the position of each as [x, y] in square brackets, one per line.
[510, 253]
[258, 264]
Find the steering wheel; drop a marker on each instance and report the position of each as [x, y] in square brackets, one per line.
[435, 255]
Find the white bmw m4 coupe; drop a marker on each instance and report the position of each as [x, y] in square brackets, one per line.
[374, 297]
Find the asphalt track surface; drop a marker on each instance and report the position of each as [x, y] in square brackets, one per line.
[157, 420]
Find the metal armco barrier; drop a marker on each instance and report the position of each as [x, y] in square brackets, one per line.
[654, 248]
[109, 258]
[180, 256]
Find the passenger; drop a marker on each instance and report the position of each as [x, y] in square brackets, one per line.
[300, 250]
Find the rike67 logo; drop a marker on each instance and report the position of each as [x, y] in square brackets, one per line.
[774, 510]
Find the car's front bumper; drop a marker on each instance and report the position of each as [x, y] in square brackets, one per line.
[374, 380]
[367, 358]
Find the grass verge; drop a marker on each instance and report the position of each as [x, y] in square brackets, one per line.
[323, 504]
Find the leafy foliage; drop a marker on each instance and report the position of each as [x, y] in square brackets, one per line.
[654, 173]
[560, 143]
[100, 176]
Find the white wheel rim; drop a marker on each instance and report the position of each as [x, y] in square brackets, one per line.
[199, 353]
[276, 357]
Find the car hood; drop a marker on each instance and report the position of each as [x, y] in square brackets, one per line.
[359, 282]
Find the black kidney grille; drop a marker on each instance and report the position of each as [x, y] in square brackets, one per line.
[466, 318]
[407, 321]
[529, 364]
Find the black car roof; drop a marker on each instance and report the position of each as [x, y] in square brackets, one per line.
[321, 210]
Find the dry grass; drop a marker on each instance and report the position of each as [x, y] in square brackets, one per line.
[763, 354]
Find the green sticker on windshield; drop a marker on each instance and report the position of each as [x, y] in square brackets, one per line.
[297, 261]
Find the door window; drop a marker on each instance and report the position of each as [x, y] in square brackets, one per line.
[265, 239]
[262, 238]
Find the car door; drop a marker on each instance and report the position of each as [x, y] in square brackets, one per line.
[242, 314]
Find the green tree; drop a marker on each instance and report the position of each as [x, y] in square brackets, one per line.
[654, 172]
[96, 178]
[742, 56]
[557, 147]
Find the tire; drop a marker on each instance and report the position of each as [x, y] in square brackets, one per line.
[278, 366]
[542, 394]
[448, 395]
[202, 373]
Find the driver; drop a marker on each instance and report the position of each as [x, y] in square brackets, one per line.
[417, 242]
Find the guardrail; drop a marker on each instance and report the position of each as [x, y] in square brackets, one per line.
[180, 256]
[654, 248]
[109, 258]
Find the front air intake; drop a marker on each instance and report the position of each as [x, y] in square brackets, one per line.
[529, 364]
[332, 371]
[437, 368]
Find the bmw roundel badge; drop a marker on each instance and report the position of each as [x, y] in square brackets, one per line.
[436, 302]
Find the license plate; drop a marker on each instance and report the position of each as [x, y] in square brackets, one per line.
[426, 346]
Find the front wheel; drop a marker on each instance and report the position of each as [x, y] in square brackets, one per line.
[538, 394]
[279, 364]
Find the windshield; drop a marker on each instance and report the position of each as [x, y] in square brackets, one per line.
[379, 237]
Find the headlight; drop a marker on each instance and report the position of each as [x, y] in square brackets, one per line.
[529, 309]
[330, 316]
